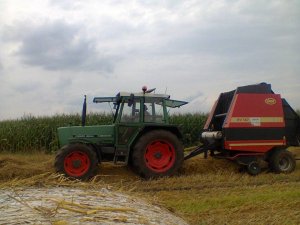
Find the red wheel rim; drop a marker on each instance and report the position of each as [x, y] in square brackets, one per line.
[160, 156]
[77, 163]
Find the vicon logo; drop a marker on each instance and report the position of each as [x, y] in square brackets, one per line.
[270, 101]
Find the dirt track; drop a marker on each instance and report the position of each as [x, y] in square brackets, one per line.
[61, 206]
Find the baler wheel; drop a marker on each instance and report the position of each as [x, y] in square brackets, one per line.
[282, 161]
[157, 153]
[253, 168]
[76, 161]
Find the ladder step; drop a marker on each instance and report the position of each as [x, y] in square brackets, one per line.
[121, 155]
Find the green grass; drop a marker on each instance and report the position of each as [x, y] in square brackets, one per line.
[223, 205]
[235, 198]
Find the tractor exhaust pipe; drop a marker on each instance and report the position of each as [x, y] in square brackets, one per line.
[83, 115]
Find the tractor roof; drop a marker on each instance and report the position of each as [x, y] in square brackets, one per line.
[169, 102]
[141, 94]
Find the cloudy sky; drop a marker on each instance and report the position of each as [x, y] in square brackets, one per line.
[53, 52]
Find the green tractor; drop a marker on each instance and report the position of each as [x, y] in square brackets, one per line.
[140, 136]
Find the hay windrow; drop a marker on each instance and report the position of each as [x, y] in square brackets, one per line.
[60, 205]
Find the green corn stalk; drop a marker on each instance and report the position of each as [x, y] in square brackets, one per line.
[31, 133]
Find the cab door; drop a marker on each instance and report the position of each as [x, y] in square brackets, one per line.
[127, 127]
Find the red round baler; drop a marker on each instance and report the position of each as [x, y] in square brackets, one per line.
[251, 124]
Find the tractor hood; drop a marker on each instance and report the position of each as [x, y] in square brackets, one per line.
[88, 134]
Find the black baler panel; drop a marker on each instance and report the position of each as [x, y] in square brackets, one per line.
[262, 88]
[222, 108]
[270, 133]
[292, 124]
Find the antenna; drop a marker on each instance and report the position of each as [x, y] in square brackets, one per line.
[150, 90]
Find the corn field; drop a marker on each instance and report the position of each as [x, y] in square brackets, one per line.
[31, 133]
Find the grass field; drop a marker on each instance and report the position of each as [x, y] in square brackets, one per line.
[206, 191]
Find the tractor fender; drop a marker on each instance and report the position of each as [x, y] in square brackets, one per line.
[171, 128]
[88, 143]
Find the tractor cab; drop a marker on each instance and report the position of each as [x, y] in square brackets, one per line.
[142, 107]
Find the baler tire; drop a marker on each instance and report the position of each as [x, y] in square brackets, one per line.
[282, 161]
[83, 155]
[253, 168]
[156, 154]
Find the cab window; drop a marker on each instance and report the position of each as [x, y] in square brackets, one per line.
[131, 111]
[153, 110]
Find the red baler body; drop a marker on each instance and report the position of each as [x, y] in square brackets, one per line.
[252, 119]
[252, 112]
[251, 124]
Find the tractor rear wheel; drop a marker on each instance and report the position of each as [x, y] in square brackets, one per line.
[157, 153]
[77, 161]
[282, 161]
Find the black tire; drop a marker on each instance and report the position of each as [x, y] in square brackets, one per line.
[76, 161]
[157, 153]
[282, 161]
[253, 168]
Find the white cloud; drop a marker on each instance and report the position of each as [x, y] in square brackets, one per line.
[52, 53]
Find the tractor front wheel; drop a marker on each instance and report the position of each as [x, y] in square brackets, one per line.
[77, 161]
[282, 161]
[157, 153]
